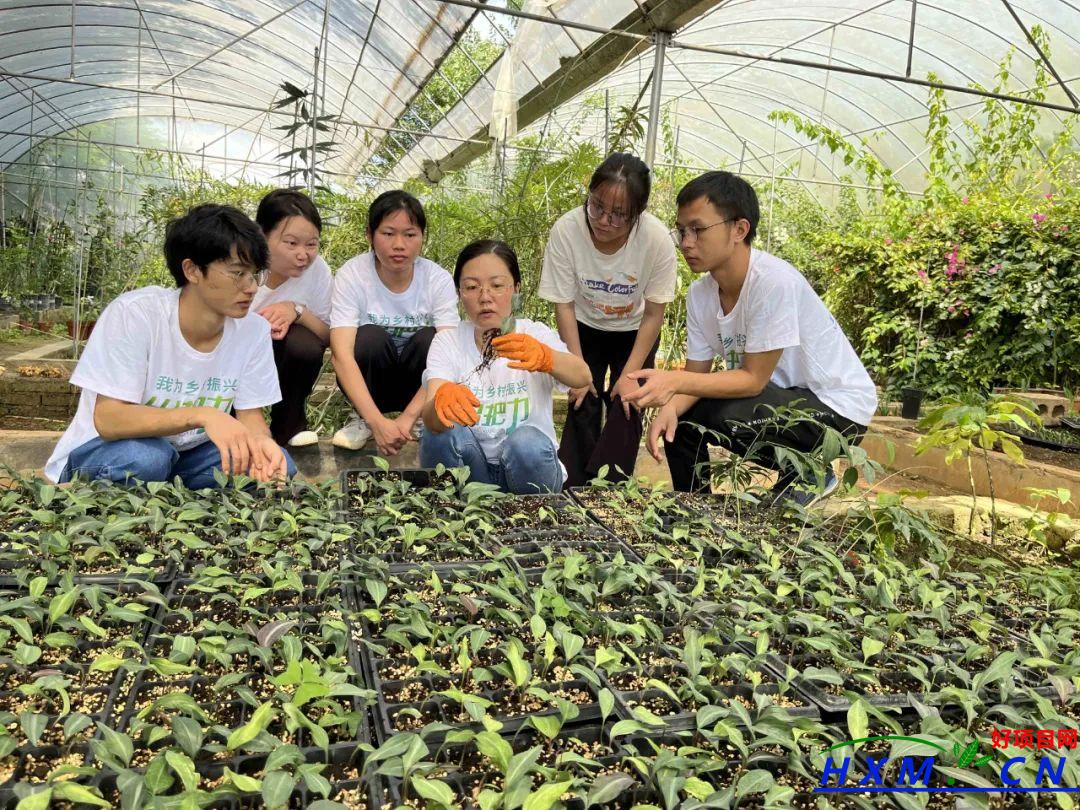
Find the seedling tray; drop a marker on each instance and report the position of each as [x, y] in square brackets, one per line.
[678, 719]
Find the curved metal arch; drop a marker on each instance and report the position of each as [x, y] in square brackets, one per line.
[903, 20]
[792, 102]
[850, 63]
[131, 90]
[216, 77]
[284, 55]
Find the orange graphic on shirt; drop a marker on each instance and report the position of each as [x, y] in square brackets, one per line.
[619, 312]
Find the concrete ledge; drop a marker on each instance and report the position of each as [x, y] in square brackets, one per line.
[891, 442]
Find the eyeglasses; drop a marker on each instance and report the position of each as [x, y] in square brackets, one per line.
[497, 287]
[241, 278]
[690, 233]
[596, 211]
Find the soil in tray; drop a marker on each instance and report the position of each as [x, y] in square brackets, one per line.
[535, 512]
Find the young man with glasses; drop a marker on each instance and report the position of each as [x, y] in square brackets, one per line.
[779, 344]
[174, 381]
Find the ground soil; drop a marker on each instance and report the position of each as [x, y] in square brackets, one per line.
[23, 343]
[1070, 461]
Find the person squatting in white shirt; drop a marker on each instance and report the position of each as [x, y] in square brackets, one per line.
[174, 381]
[388, 303]
[494, 414]
[295, 299]
[780, 345]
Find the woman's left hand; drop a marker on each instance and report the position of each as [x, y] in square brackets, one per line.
[281, 316]
[528, 353]
[624, 386]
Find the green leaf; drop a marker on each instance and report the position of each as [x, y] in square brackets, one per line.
[857, 720]
[33, 725]
[571, 645]
[607, 703]
[158, 777]
[27, 654]
[538, 626]
[547, 724]
[36, 801]
[245, 784]
[495, 748]
[608, 787]
[521, 765]
[433, 790]
[188, 734]
[277, 786]
[260, 719]
[1000, 669]
[698, 788]
[520, 669]
[61, 604]
[755, 781]
[627, 727]
[37, 586]
[546, 795]
[871, 647]
[183, 767]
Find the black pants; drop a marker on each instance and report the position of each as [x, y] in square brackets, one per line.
[585, 445]
[299, 359]
[747, 427]
[391, 378]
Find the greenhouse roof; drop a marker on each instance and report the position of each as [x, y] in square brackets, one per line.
[856, 66]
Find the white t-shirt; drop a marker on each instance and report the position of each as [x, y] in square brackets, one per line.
[609, 292]
[312, 288]
[137, 353]
[778, 309]
[509, 397]
[360, 297]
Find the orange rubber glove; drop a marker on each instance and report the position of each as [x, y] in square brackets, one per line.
[530, 353]
[456, 404]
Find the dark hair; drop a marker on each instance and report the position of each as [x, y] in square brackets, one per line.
[482, 246]
[630, 171]
[282, 203]
[730, 194]
[397, 200]
[209, 233]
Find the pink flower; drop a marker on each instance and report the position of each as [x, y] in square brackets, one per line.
[967, 311]
[993, 270]
[888, 241]
[1064, 229]
[1050, 196]
[969, 335]
[1038, 218]
[922, 275]
[965, 201]
[952, 309]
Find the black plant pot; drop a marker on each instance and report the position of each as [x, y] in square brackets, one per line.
[910, 402]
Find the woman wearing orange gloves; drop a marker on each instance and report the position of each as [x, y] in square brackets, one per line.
[488, 404]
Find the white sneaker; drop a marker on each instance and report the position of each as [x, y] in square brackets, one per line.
[353, 436]
[304, 438]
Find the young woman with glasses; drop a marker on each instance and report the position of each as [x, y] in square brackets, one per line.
[609, 268]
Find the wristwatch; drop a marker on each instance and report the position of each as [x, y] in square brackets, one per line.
[299, 311]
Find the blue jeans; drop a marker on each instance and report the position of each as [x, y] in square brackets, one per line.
[527, 462]
[152, 459]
